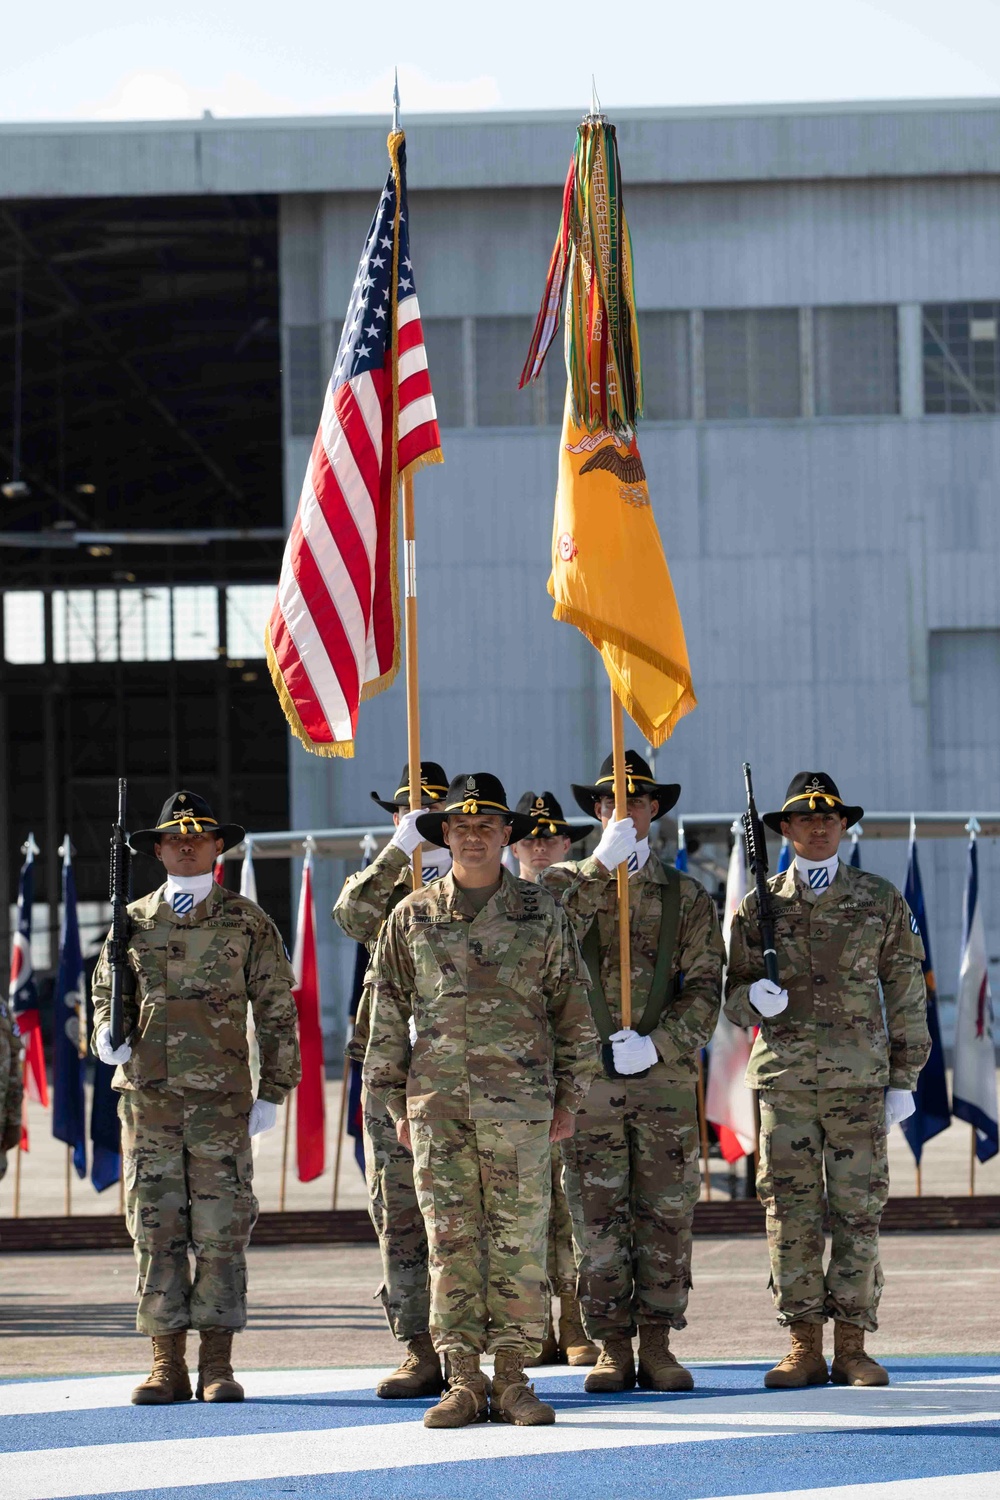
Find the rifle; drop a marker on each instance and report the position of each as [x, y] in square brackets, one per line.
[753, 833]
[118, 941]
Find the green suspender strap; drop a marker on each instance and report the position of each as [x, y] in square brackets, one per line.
[670, 912]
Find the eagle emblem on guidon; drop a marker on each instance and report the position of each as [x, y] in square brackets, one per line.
[618, 457]
[566, 547]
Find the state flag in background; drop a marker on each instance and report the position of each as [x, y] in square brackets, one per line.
[855, 860]
[22, 993]
[70, 1027]
[728, 1101]
[932, 1114]
[785, 857]
[681, 858]
[105, 1130]
[310, 1101]
[974, 1086]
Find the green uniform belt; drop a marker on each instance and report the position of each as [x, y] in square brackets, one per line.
[670, 911]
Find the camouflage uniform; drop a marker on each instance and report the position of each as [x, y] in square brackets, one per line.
[11, 1087]
[503, 1035]
[632, 1166]
[361, 908]
[821, 1068]
[186, 1095]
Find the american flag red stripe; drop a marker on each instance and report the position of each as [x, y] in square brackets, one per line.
[334, 633]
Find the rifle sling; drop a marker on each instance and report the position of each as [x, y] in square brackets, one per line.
[670, 911]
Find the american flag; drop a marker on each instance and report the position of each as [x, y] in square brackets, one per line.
[334, 633]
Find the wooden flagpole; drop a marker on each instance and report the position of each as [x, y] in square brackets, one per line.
[67, 1206]
[17, 1181]
[412, 666]
[345, 1084]
[972, 1163]
[621, 811]
[284, 1152]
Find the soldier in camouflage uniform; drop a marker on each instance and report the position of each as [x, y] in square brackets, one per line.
[197, 954]
[632, 1166]
[485, 969]
[831, 1075]
[362, 906]
[550, 841]
[11, 1086]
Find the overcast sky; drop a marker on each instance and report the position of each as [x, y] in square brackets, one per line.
[166, 59]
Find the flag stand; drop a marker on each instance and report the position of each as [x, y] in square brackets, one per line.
[345, 1084]
[621, 811]
[17, 1181]
[67, 1207]
[703, 1131]
[920, 1183]
[412, 665]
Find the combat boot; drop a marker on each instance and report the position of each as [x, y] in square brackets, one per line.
[615, 1368]
[574, 1345]
[168, 1380]
[464, 1402]
[512, 1398]
[418, 1375]
[659, 1370]
[549, 1352]
[851, 1365]
[804, 1363]
[215, 1367]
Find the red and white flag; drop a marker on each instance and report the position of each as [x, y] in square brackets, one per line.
[310, 1104]
[23, 994]
[728, 1101]
[334, 633]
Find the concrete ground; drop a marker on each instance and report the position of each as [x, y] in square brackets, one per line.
[73, 1313]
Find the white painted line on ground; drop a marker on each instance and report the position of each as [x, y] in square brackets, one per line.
[55, 1474]
[940, 1487]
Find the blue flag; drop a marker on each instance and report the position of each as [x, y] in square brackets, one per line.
[105, 1130]
[681, 859]
[785, 856]
[933, 1113]
[856, 853]
[355, 1113]
[70, 1026]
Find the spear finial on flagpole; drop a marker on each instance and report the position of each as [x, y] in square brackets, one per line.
[395, 101]
[595, 103]
[973, 827]
[29, 847]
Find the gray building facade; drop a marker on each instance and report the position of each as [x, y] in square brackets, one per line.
[819, 297]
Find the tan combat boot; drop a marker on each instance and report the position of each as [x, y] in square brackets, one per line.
[215, 1367]
[615, 1368]
[169, 1380]
[418, 1375]
[804, 1363]
[512, 1398]
[549, 1352]
[851, 1365]
[659, 1369]
[464, 1402]
[574, 1345]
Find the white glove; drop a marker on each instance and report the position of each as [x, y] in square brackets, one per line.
[632, 1052]
[616, 844]
[899, 1105]
[768, 998]
[263, 1116]
[406, 836]
[113, 1056]
[411, 1027]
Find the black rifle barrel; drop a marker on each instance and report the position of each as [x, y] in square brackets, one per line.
[118, 941]
[753, 833]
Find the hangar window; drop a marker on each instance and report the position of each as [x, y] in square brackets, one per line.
[445, 361]
[248, 609]
[961, 358]
[24, 627]
[501, 347]
[665, 346]
[752, 363]
[856, 361]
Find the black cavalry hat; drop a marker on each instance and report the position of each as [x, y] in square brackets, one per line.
[186, 812]
[547, 816]
[433, 785]
[477, 792]
[813, 791]
[638, 778]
